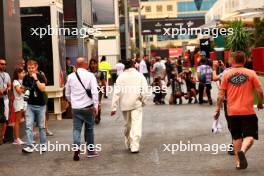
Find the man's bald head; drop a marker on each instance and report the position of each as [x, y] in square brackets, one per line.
[81, 63]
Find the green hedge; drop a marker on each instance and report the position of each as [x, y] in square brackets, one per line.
[262, 81]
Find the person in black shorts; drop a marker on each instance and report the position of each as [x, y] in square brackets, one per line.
[238, 85]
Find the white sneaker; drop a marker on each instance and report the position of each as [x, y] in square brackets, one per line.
[18, 141]
[134, 150]
[27, 150]
[49, 133]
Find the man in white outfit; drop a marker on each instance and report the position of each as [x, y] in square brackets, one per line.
[130, 93]
[143, 68]
[120, 68]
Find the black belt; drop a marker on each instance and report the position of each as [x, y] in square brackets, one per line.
[90, 106]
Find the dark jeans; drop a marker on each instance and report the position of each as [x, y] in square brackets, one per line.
[147, 76]
[201, 91]
[80, 116]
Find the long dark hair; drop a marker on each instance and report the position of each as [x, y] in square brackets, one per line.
[16, 72]
[90, 63]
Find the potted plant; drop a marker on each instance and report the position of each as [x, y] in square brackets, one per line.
[239, 40]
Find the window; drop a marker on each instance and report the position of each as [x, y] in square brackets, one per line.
[148, 9]
[169, 8]
[159, 8]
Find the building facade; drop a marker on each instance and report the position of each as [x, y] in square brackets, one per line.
[49, 50]
[106, 20]
[173, 9]
[226, 10]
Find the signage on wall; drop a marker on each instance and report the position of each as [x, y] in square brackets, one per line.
[158, 26]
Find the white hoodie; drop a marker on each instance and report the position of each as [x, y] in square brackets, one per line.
[130, 90]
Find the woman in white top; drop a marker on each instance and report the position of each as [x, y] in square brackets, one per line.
[19, 103]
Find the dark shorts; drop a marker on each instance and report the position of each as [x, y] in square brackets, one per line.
[243, 126]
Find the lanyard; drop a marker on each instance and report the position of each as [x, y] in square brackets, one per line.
[3, 77]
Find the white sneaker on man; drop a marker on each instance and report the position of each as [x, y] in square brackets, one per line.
[27, 149]
[18, 141]
[134, 150]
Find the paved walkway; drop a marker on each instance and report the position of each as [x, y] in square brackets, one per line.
[163, 124]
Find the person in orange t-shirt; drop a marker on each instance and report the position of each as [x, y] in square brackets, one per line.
[238, 85]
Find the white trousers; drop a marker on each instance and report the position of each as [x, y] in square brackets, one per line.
[133, 128]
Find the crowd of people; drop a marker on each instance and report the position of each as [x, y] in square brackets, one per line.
[236, 86]
[87, 83]
[162, 73]
[25, 97]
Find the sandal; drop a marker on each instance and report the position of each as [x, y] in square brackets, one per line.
[242, 160]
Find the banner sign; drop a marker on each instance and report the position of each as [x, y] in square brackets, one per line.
[160, 26]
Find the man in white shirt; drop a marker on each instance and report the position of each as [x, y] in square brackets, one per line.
[143, 68]
[84, 106]
[5, 87]
[120, 68]
[130, 93]
[159, 69]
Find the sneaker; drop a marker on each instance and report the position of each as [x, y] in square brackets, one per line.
[76, 156]
[49, 133]
[27, 150]
[18, 141]
[92, 154]
[43, 148]
[134, 150]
